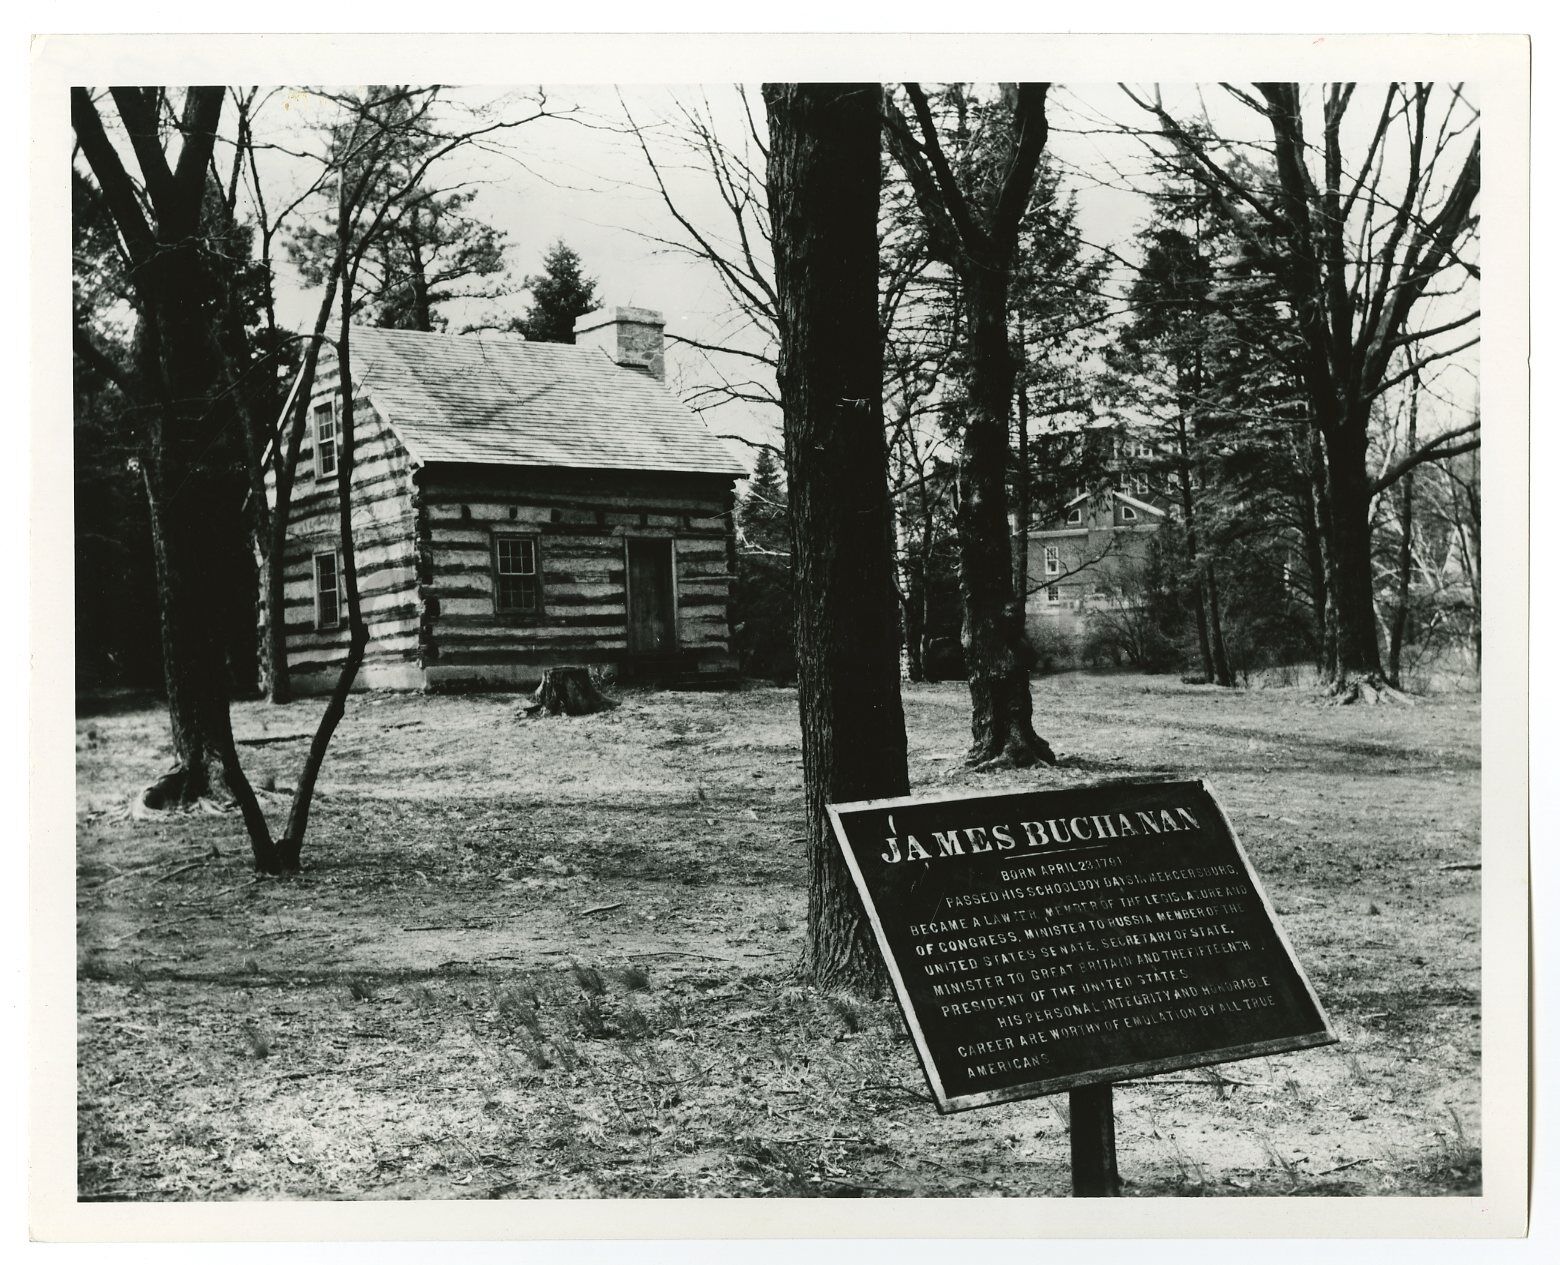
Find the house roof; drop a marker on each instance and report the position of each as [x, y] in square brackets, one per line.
[1123, 497]
[1127, 499]
[499, 400]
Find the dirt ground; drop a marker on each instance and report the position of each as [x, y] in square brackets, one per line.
[553, 958]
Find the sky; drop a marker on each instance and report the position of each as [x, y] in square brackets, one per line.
[579, 176]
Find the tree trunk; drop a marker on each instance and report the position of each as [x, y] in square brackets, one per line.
[284, 466]
[422, 302]
[284, 853]
[914, 607]
[189, 673]
[1309, 509]
[1405, 558]
[1353, 595]
[1405, 575]
[1193, 568]
[192, 499]
[276, 680]
[824, 175]
[996, 655]
[1021, 490]
[1221, 662]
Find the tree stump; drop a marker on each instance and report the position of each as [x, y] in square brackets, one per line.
[570, 691]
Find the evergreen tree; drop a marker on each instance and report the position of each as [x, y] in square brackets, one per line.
[1058, 317]
[560, 294]
[763, 611]
[1168, 335]
[430, 253]
[437, 253]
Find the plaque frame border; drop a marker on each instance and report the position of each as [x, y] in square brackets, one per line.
[948, 1104]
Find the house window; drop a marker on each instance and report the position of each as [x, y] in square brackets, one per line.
[1128, 514]
[1075, 515]
[325, 439]
[327, 589]
[1053, 594]
[517, 582]
[1053, 560]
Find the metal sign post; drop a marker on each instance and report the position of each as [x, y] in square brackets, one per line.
[1092, 1122]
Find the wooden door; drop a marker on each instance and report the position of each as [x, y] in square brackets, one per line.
[652, 603]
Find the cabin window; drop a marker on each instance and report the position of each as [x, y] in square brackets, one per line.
[327, 589]
[517, 582]
[1075, 515]
[1128, 514]
[325, 439]
[1053, 560]
[1053, 594]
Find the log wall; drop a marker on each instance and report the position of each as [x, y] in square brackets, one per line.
[382, 528]
[581, 521]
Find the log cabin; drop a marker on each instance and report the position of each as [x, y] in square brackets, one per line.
[516, 506]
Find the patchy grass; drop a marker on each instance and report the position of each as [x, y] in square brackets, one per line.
[553, 958]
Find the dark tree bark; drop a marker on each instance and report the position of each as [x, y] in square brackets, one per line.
[996, 654]
[181, 304]
[1348, 537]
[824, 175]
[913, 613]
[1312, 499]
[976, 233]
[1405, 574]
[1022, 511]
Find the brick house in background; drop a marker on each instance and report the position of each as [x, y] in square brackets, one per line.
[1096, 545]
[516, 506]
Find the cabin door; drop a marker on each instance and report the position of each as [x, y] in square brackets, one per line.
[652, 602]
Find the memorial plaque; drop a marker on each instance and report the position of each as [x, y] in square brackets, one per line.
[1043, 940]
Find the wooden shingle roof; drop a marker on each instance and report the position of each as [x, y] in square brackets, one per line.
[499, 400]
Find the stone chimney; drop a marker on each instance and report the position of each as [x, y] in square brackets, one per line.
[631, 336]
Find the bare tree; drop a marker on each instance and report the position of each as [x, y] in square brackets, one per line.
[737, 367]
[1358, 249]
[973, 227]
[824, 177]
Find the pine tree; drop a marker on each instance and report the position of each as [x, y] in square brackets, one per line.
[435, 254]
[560, 294]
[432, 250]
[763, 609]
